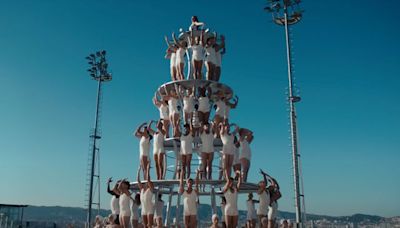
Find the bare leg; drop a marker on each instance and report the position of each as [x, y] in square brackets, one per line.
[150, 219]
[161, 164]
[166, 127]
[203, 162]
[217, 73]
[187, 221]
[145, 222]
[234, 221]
[210, 70]
[217, 120]
[193, 221]
[135, 223]
[157, 166]
[144, 162]
[210, 158]
[206, 117]
[181, 69]
[188, 164]
[184, 159]
[228, 164]
[245, 167]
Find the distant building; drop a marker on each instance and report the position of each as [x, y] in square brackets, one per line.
[11, 215]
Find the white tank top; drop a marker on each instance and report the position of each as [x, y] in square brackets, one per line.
[204, 104]
[221, 108]
[114, 204]
[235, 155]
[144, 146]
[231, 208]
[227, 143]
[188, 104]
[134, 210]
[251, 210]
[124, 207]
[173, 105]
[180, 55]
[211, 55]
[158, 143]
[207, 142]
[245, 149]
[189, 203]
[264, 203]
[147, 201]
[173, 59]
[159, 209]
[163, 109]
[198, 52]
[186, 144]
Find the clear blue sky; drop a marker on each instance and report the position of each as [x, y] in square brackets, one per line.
[347, 67]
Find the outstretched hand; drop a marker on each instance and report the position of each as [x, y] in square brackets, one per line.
[262, 172]
[109, 180]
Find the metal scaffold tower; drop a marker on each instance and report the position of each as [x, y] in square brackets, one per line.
[98, 71]
[287, 13]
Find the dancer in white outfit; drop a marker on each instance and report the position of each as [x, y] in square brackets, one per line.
[218, 55]
[251, 212]
[180, 57]
[124, 204]
[186, 149]
[197, 47]
[207, 136]
[188, 104]
[164, 113]
[173, 108]
[189, 196]
[171, 55]
[114, 204]
[246, 137]
[231, 194]
[222, 108]
[146, 198]
[134, 205]
[227, 139]
[275, 195]
[144, 136]
[158, 215]
[236, 162]
[264, 200]
[158, 148]
[211, 56]
[223, 204]
[204, 104]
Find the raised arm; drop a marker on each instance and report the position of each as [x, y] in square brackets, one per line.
[138, 133]
[221, 129]
[151, 131]
[108, 186]
[226, 186]
[235, 102]
[156, 102]
[264, 176]
[222, 44]
[175, 41]
[166, 41]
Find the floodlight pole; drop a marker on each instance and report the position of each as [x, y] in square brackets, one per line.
[290, 18]
[99, 73]
[293, 125]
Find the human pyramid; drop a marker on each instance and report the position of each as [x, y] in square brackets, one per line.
[186, 105]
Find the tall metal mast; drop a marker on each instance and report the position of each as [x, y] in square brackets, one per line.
[286, 13]
[98, 71]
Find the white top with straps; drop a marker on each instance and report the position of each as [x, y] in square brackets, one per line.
[207, 142]
[180, 56]
[114, 205]
[146, 198]
[124, 201]
[204, 104]
[251, 210]
[198, 52]
[264, 203]
[173, 105]
[163, 109]
[159, 209]
[245, 149]
[221, 108]
[189, 203]
[134, 210]
[188, 104]
[211, 55]
[144, 146]
[227, 143]
[231, 208]
[158, 143]
[186, 144]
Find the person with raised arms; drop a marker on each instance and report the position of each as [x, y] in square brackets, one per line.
[228, 145]
[186, 149]
[134, 206]
[189, 196]
[158, 148]
[173, 108]
[124, 204]
[245, 138]
[230, 191]
[146, 199]
[114, 203]
[143, 134]
[196, 44]
[207, 136]
[171, 55]
[180, 56]
[164, 113]
[275, 195]
[251, 212]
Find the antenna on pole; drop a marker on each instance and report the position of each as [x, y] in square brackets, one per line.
[98, 71]
[287, 13]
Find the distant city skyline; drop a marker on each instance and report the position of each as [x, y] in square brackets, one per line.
[346, 67]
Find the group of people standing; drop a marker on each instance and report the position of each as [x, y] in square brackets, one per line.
[204, 47]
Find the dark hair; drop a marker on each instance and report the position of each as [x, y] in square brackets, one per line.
[195, 19]
[137, 199]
